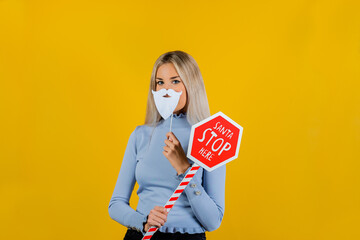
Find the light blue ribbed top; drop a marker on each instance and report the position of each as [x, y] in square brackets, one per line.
[199, 208]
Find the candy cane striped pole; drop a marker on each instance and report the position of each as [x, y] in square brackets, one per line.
[170, 203]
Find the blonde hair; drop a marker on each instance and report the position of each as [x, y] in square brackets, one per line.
[197, 106]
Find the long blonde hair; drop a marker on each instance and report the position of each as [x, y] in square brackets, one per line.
[197, 106]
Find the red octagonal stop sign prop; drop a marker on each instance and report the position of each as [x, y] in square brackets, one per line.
[214, 141]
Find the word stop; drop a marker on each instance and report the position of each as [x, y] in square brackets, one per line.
[218, 144]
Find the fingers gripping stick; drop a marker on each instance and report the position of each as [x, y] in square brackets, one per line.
[170, 203]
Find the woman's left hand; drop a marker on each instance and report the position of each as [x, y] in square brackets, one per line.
[174, 152]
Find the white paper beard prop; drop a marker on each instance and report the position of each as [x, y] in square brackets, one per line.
[166, 105]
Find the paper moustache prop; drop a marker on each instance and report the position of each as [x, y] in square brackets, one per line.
[166, 105]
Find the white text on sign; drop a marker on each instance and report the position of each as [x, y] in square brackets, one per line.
[218, 144]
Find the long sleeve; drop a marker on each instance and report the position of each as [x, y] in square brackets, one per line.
[119, 208]
[207, 200]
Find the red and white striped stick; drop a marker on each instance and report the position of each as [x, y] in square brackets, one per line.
[170, 203]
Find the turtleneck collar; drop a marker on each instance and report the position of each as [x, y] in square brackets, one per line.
[180, 115]
[179, 120]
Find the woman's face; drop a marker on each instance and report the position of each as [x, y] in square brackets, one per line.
[167, 77]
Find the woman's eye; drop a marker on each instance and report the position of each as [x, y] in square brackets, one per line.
[176, 81]
[159, 82]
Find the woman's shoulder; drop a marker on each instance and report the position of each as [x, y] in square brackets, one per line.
[144, 129]
[141, 135]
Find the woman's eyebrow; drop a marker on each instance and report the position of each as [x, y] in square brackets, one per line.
[170, 78]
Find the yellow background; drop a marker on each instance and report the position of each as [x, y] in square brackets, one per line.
[74, 78]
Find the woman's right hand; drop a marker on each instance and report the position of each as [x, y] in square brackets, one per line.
[157, 217]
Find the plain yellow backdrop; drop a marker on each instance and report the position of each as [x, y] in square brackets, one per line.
[74, 77]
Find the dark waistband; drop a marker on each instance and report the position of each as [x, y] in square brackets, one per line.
[169, 234]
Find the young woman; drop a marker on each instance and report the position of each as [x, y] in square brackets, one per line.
[156, 159]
